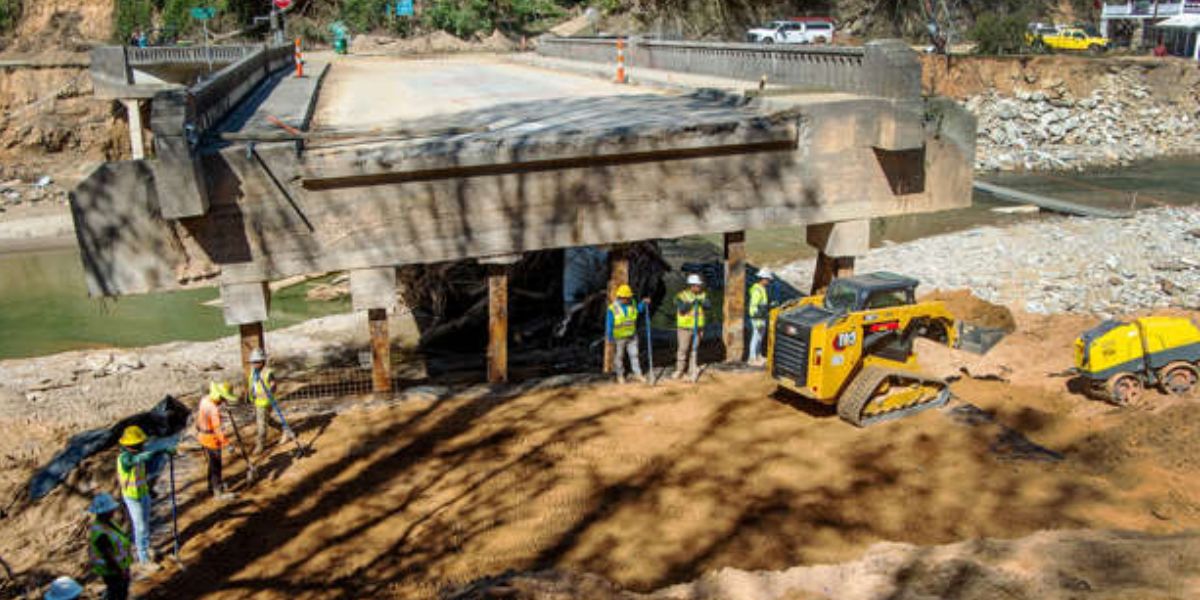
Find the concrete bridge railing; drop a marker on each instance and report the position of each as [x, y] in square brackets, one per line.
[141, 57]
[181, 117]
[885, 68]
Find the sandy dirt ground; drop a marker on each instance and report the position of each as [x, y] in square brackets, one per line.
[648, 487]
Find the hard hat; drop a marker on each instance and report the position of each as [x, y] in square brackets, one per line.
[132, 436]
[219, 390]
[694, 279]
[102, 503]
[624, 291]
[765, 274]
[64, 588]
[258, 356]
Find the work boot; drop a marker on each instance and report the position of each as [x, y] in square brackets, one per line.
[621, 378]
[226, 496]
[640, 378]
[678, 374]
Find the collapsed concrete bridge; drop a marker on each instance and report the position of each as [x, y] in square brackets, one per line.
[486, 158]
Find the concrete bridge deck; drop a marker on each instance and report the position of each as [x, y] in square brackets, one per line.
[418, 161]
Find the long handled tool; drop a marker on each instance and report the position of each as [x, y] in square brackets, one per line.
[649, 343]
[237, 434]
[174, 511]
[300, 449]
[695, 366]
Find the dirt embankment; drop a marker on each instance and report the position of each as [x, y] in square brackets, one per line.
[961, 77]
[652, 486]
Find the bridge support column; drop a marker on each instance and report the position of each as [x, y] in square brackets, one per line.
[497, 349]
[734, 328]
[137, 127]
[618, 275]
[837, 246]
[374, 291]
[247, 306]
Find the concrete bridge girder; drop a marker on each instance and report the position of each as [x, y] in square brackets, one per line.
[274, 214]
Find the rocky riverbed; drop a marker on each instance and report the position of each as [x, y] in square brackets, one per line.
[1042, 125]
[1103, 267]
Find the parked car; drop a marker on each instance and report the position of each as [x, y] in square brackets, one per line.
[797, 31]
[1045, 38]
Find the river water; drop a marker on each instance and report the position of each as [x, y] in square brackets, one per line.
[44, 307]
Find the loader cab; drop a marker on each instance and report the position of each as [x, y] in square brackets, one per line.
[871, 291]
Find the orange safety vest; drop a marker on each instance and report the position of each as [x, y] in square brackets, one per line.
[208, 425]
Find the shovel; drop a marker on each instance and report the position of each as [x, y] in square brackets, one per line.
[649, 345]
[174, 512]
[237, 434]
[301, 450]
[695, 363]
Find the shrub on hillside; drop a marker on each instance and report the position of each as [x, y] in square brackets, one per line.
[999, 34]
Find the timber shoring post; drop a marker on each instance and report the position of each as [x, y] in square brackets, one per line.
[381, 351]
[829, 268]
[497, 352]
[618, 275]
[734, 325]
[251, 338]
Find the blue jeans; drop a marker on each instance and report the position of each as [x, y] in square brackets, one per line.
[758, 330]
[139, 517]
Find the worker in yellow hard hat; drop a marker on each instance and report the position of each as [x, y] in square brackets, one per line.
[135, 489]
[211, 437]
[620, 329]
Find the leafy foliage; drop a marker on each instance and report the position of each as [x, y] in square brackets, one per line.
[999, 33]
[465, 18]
[10, 12]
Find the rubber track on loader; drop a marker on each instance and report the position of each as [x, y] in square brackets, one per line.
[861, 391]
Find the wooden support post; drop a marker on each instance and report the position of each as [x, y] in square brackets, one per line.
[618, 275]
[497, 353]
[830, 268]
[252, 337]
[137, 135]
[734, 327]
[381, 351]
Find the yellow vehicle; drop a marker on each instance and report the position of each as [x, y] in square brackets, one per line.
[853, 347]
[1119, 360]
[1069, 38]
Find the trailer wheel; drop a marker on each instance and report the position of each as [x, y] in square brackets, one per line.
[1125, 389]
[1178, 378]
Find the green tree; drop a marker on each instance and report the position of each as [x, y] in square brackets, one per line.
[999, 33]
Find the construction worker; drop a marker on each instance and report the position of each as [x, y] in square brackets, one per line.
[690, 304]
[261, 386]
[211, 437]
[760, 305]
[620, 329]
[63, 588]
[135, 489]
[109, 548]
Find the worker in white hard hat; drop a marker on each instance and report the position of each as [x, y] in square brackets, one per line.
[63, 588]
[261, 386]
[109, 548]
[690, 304]
[620, 329]
[760, 306]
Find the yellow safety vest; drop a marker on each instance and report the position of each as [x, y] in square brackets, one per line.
[684, 321]
[120, 545]
[758, 301]
[133, 480]
[624, 319]
[260, 389]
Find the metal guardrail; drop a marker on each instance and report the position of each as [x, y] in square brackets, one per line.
[887, 68]
[162, 55]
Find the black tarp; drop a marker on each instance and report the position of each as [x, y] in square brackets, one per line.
[166, 418]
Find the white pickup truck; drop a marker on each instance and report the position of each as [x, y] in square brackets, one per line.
[792, 32]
